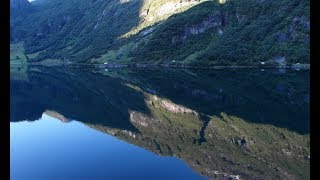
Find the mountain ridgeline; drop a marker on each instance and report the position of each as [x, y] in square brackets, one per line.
[189, 32]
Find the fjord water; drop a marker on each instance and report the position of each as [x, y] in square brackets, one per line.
[49, 149]
[87, 123]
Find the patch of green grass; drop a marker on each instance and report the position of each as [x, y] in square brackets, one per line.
[17, 54]
[34, 55]
[49, 62]
[120, 55]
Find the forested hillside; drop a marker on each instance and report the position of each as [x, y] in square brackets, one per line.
[195, 32]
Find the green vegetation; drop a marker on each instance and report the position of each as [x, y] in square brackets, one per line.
[74, 30]
[17, 55]
[235, 32]
[251, 34]
[121, 55]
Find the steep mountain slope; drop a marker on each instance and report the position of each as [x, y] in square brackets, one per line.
[166, 31]
[18, 10]
[239, 32]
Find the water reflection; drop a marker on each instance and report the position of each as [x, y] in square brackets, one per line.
[222, 123]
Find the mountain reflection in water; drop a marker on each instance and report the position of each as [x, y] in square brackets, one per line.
[240, 123]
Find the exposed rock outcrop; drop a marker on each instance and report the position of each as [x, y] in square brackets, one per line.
[170, 106]
[57, 115]
[291, 34]
[140, 119]
[214, 22]
[170, 7]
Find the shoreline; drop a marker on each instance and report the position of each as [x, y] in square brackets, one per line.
[106, 66]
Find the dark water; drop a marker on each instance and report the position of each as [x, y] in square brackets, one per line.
[80, 123]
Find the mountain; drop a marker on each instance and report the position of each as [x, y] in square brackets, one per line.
[193, 32]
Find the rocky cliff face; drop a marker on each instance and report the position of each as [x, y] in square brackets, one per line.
[214, 23]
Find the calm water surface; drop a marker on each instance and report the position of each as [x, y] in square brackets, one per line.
[79, 123]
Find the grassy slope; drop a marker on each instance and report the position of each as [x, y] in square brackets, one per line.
[18, 67]
[17, 55]
[19, 58]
